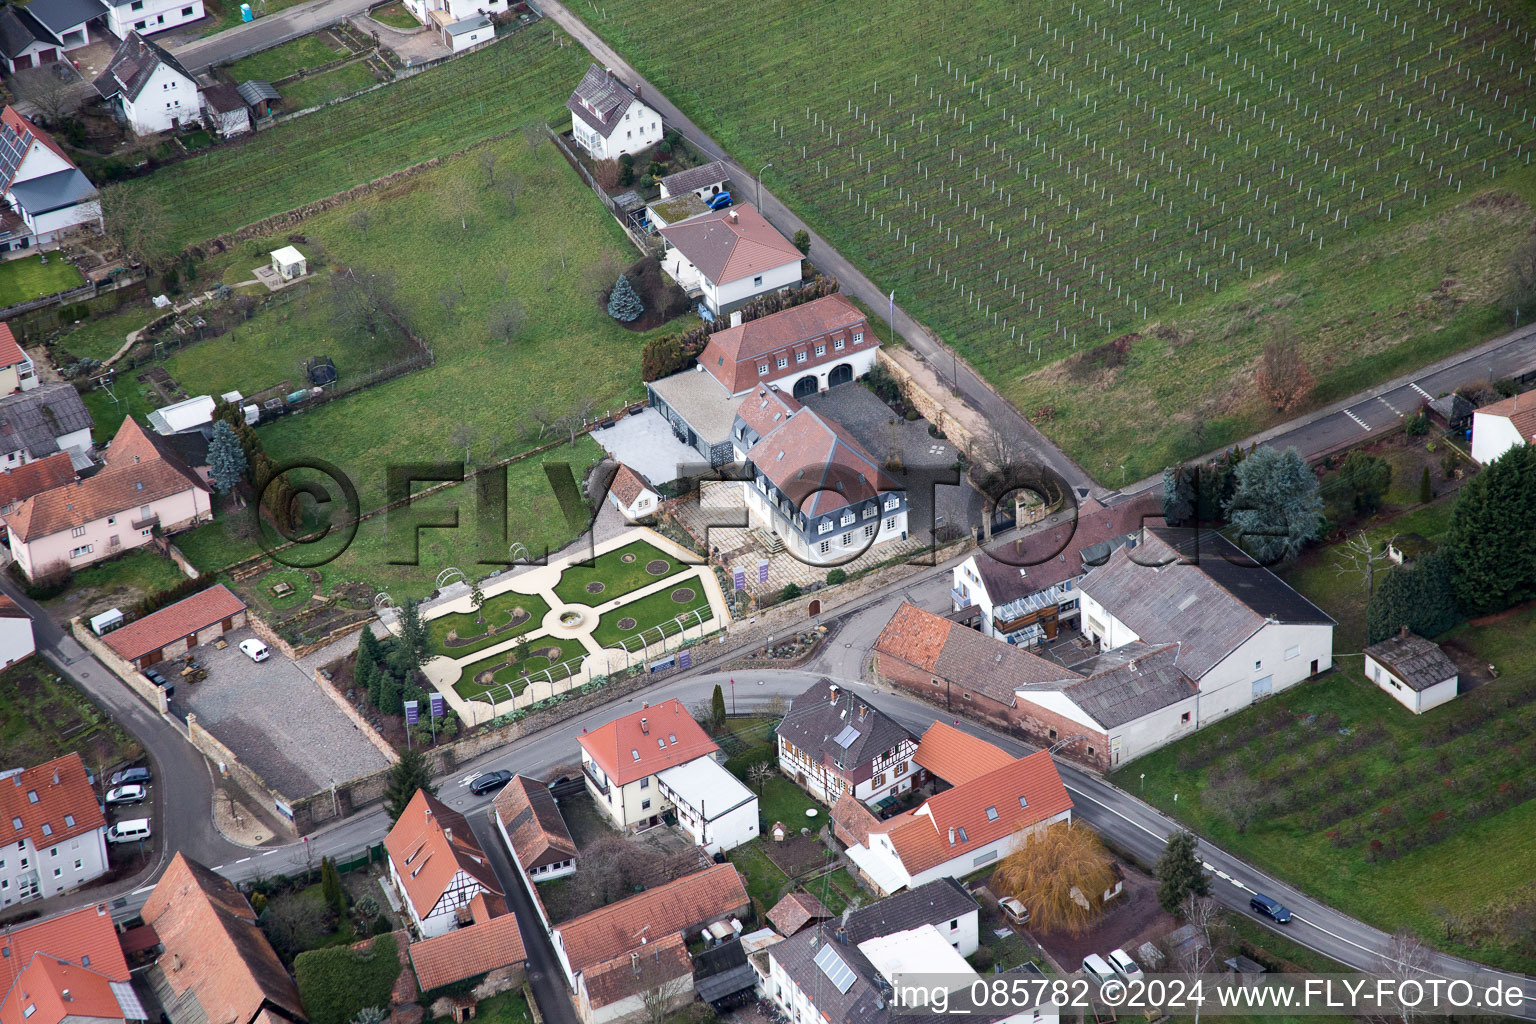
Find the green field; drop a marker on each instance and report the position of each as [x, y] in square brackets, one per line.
[497, 613]
[288, 59]
[652, 612]
[616, 576]
[43, 717]
[545, 653]
[27, 278]
[1181, 177]
[303, 93]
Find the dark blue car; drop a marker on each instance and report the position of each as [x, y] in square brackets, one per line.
[718, 201]
[1269, 908]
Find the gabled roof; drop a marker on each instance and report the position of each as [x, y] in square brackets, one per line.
[959, 654]
[34, 420]
[48, 472]
[600, 100]
[646, 742]
[1128, 683]
[1198, 590]
[86, 937]
[1045, 557]
[533, 822]
[851, 820]
[51, 991]
[216, 960]
[223, 98]
[939, 901]
[765, 408]
[61, 16]
[1416, 661]
[618, 928]
[732, 355]
[134, 62]
[466, 952]
[987, 808]
[628, 485]
[19, 30]
[1520, 410]
[818, 464]
[175, 621]
[702, 176]
[16, 137]
[140, 469]
[795, 911]
[49, 803]
[9, 609]
[957, 757]
[429, 845]
[838, 729]
[645, 967]
[57, 191]
[731, 244]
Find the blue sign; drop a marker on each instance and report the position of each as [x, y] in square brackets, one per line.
[411, 715]
[684, 659]
[739, 579]
[438, 709]
[762, 572]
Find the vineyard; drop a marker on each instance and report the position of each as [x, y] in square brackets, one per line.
[1037, 185]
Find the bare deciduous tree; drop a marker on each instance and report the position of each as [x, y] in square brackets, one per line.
[759, 774]
[1235, 796]
[533, 137]
[507, 321]
[1283, 378]
[1359, 555]
[463, 436]
[1522, 265]
[1405, 959]
[504, 275]
[1203, 914]
[362, 220]
[661, 994]
[607, 174]
[449, 300]
[53, 95]
[459, 194]
[514, 188]
[488, 158]
[137, 223]
[366, 300]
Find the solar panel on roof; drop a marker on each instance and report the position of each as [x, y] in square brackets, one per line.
[837, 971]
[847, 736]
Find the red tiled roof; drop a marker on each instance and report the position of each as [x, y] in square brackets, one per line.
[626, 751]
[66, 804]
[138, 471]
[9, 609]
[46, 473]
[174, 621]
[429, 845]
[797, 910]
[534, 824]
[628, 485]
[616, 929]
[766, 408]
[968, 659]
[17, 126]
[10, 352]
[921, 837]
[732, 355]
[1518, 409]
[48, 991]
[852, 821]
[958, 757]
[651, 966]
[213, 946]
[915, 636]
[818, 464]
[86, 936]
[731, 244]
[466, 952]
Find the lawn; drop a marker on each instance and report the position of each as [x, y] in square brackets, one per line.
[395, 16]
[43, 717]
[507, 1008]
[100, 336]
[117, 583]
[542, 653]
[28, 278]
[498, 613]
[613, 575]
[764, 880]
[654, 611]
[288, 59]
[1178, 184]
[836, 890]
[782, 800]
[314, 90]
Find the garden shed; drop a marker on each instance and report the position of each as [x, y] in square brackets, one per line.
[289, 263]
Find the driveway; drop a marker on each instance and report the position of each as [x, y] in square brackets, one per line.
[645, 443]
[276, 720]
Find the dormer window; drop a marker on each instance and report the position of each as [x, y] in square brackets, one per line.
[837, 343]
[762, 369]
[800, 356]
[858, 337]
[783, 362]
[821, 350]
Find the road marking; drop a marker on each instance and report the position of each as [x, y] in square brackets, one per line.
[142, 888]
[1388, 404]
[219, 868]
[1421, 391]
[242, 860]
[269, 853]
[1363, 425]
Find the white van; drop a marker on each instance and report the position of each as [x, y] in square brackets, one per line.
[1098, 969]
[130, 831]
[1124, 966]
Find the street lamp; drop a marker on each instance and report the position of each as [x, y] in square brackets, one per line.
[760, 185]
[1143, 783]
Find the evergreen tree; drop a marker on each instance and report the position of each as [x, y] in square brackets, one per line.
[414, 638]
[624, 304]
[477, 599]
[1275, 505]
[226, 458]
[406, 776]
[1361, 483]
[390, 700]
[1178, 495]
[1426, 491]
[1489, 543]
[802, 241]
[365, 670]
[1420, 597]
[717, 707]
[1179, 872]
[330, 887]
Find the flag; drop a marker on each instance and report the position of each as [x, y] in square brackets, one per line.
[739, 579]
[411, 715]
[438, 710]
[684, 659]
[892, 314]
[762, 571]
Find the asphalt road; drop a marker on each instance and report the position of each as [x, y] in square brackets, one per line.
[264, 33]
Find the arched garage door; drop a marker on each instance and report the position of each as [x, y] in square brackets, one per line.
[842, 373]
[805, 386]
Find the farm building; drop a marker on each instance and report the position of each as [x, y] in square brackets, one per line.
[1413, 671]
[177, 628]
[225, 110]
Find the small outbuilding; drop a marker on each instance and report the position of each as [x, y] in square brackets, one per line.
[177, 628]
[260, 96]
[1415, 671]
[289, 263]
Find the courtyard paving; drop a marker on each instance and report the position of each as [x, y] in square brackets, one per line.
[645, 443]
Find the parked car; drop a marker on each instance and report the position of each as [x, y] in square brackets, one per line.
[1270, 908]
[1098, 969]
[133, 776]
[255, 650]
[1124, 966]
[131, 794]
[490, 781]
[718, 201]
[130, 831]
[1015, 911]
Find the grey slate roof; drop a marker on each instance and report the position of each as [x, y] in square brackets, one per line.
[60, 16]
[606, 98]
[1059, 553]
[223, 98]
[702, 176]
[1129, 682]
[34, 420]
[255, 91]
[19, 30]
[1210, 605]
[992, 668]
[815, 720]
[132, 65]
[1416, 661]
[54, 191]
[722, 971]
[933, 903]
[471, 24]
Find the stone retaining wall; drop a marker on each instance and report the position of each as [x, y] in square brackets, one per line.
[120, 666]
[923, 390]
[231, 768]
[340, 700]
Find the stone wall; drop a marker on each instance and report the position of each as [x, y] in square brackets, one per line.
[923, 390]
[231, 768]
[120, 666]
[340, 700]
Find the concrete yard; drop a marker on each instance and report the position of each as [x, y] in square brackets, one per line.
[645, 443]
[276, 720]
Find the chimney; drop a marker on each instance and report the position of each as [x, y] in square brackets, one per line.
[64, 995]
[645, 726]
[448, 834]
[101, 910]
[736, 319]
[862, 712]
[735, 218]
[1402, 631]
[842, 935]
[951, 837]
[832, 694]
[637, 91]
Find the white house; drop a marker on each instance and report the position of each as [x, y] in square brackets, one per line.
[226, 112]
[436, 866]
[16, 640]
[468, 32]
[44, 31]
[534, 830]
[46, 194]
[608, 118]
[58, 841]
[633, 495]
[289, 263]
[1501, 426]
[146, 17]
[16, 370]
[729, 256]
[1413, 671]
[622, 759]
[831, 743]
[704, 181]
[444, 15]
[149, 88]
[964, 828]
[37, 422]
[712, 806]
